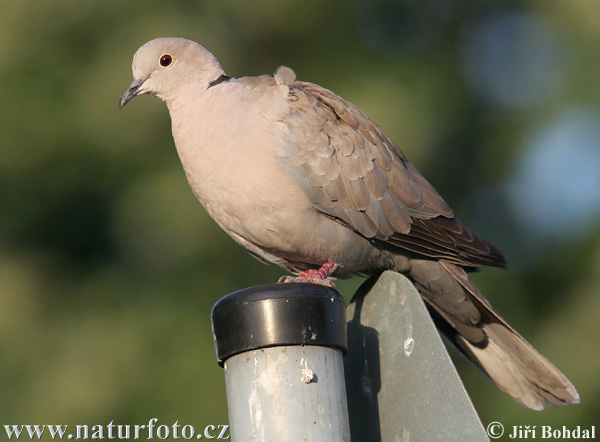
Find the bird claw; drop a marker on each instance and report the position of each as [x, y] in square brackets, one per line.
[314, 276]
[319, 281]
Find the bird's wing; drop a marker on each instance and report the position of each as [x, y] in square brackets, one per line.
[352, 172]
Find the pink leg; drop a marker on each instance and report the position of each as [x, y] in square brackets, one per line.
[326, 270]
[314, 276]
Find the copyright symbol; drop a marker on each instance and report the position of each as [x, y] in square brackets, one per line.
[495, 430]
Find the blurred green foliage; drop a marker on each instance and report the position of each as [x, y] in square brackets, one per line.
[108, 265]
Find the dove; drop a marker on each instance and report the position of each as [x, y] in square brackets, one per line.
[304, 180]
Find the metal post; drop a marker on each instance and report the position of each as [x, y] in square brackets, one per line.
[281, 346]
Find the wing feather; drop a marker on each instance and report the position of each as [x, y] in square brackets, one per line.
[351, 171]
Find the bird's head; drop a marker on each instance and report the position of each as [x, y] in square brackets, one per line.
[164, 65]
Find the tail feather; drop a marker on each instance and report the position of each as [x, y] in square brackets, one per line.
[486, 340]
[518, 369]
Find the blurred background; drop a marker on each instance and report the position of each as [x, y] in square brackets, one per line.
[109, 267]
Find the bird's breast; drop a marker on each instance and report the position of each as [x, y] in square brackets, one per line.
[230, 154]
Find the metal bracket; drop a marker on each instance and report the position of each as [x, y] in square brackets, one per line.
[400, 381]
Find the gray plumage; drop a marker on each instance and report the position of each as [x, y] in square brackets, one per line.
[299, 176]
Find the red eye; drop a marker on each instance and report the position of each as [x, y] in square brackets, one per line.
[166, 60]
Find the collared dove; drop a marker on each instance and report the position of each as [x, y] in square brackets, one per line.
[304, 180]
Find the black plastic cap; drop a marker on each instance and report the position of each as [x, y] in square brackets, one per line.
[277, 315]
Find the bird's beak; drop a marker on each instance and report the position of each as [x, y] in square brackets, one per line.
[132, 91]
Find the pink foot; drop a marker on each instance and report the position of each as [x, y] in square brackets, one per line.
[314, 276]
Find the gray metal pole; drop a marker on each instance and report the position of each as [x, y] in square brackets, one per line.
[281, 346]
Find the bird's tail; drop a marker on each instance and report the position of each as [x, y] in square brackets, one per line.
[471, 324]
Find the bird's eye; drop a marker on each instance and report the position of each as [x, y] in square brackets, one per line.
[166, 60]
